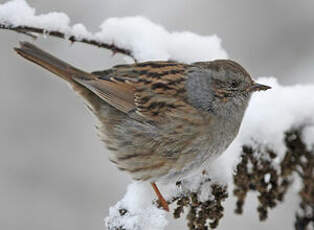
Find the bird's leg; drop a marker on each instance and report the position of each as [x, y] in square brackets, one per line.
[161, 199]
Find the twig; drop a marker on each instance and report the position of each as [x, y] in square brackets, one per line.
[4, 27]
[31, 31]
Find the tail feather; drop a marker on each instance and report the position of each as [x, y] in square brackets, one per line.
[49, 62]
[60, 68]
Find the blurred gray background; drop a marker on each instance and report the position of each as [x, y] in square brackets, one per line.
[54, 173]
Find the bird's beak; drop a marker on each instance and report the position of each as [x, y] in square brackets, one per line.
[257, 87]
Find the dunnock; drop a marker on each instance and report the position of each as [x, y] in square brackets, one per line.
[160, 119]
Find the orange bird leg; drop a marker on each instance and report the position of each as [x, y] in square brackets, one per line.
[161, 199]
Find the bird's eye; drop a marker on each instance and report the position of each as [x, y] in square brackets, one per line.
[234, 84]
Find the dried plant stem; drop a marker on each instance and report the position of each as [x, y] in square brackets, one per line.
[257, 172]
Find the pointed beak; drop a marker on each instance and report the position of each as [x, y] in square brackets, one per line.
[258, 87]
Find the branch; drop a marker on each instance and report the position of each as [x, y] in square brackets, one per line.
[33, 31]
[202, 205]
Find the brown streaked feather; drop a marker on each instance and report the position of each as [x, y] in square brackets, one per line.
[152, 89]
[120, 96]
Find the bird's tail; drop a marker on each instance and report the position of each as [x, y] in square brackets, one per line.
[58, 67]
[49, 62]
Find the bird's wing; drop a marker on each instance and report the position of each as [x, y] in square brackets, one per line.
[151, 89]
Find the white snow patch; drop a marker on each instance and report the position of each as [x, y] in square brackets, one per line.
[150, 41]
[19, 13]
[80, 32]
[273, 112]
[136, 210]
[267, 177]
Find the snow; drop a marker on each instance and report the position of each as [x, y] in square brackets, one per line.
[136, 210]
[147, 40]
[18, 12]
[150, 41]
[80, 32]
[269, 115]
[273, 112]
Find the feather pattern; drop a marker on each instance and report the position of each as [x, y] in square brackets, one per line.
[151, 89]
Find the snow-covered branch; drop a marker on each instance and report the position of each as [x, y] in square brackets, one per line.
[135, 37]
[18, 16]
[31, 31]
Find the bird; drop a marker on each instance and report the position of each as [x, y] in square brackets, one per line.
[160, 119]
